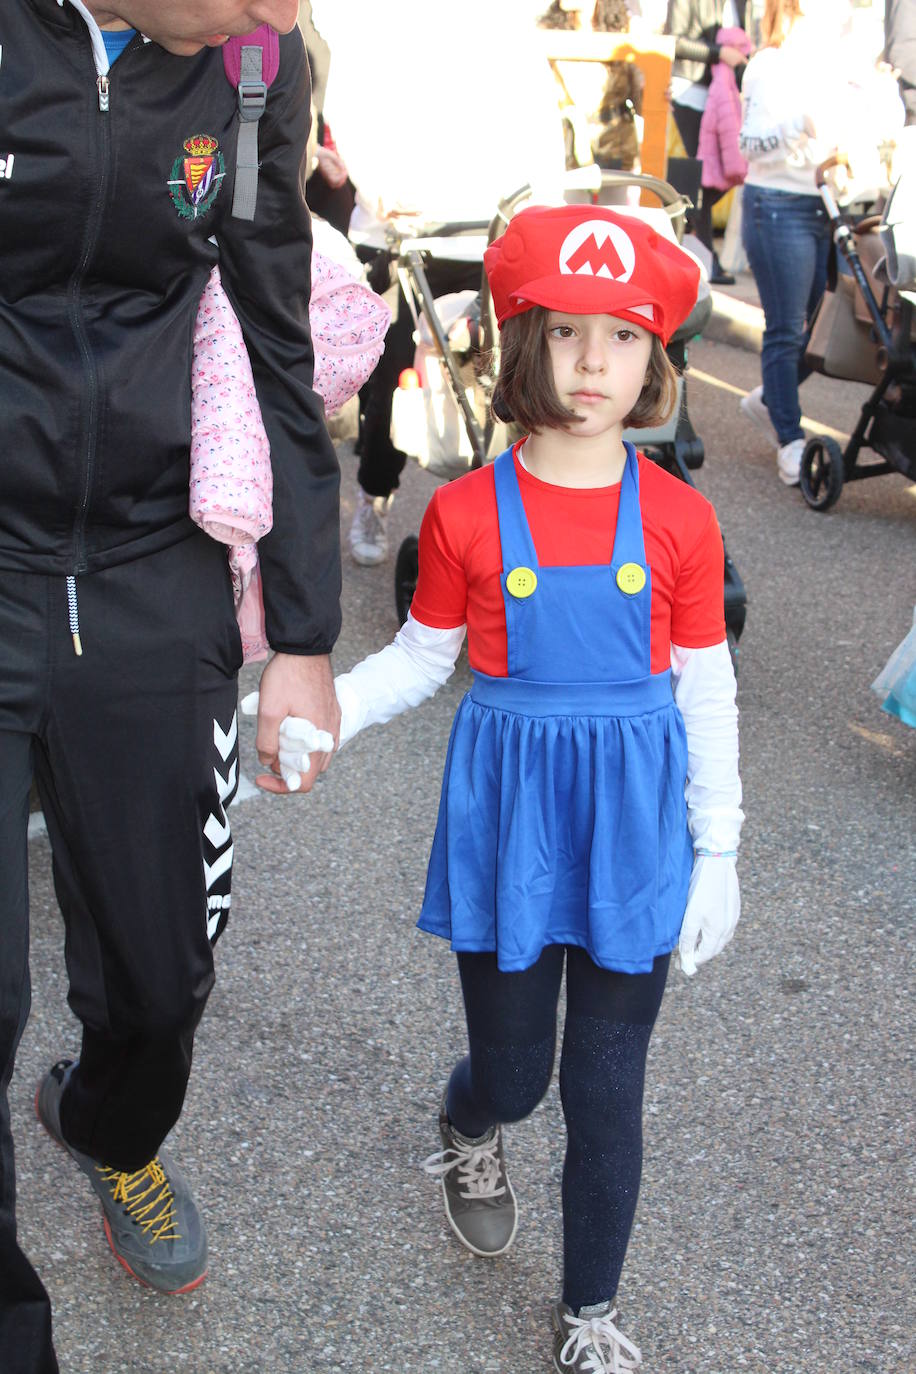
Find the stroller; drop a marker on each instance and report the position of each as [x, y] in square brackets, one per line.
[442, 415]
[865, 331]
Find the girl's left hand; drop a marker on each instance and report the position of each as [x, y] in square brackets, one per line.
[713, 908]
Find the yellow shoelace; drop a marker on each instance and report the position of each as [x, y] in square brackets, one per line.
[146, 1197]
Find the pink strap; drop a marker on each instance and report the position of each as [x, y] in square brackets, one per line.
[264, 37]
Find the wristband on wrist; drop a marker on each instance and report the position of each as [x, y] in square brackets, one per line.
[717, 853]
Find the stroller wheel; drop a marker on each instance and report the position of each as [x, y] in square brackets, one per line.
[821, 475]
[406, 570]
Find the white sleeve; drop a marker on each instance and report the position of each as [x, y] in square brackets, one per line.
[704, 690]
[406, 672]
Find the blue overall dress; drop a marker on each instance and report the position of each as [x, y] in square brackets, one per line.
[562, 818]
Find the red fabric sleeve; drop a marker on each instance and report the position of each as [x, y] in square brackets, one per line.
[440, 599]
[698, 608]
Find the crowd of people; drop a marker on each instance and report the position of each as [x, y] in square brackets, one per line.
[590, 813]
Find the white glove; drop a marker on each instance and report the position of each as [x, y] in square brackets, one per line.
[298, 739]
[713, 908]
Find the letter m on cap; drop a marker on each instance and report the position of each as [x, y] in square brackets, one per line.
[591, 257]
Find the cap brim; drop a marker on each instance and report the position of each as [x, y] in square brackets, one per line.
[586, 295]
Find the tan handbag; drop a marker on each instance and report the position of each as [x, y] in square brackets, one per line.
[841, 344]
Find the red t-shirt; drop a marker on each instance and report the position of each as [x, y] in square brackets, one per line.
[461, 562]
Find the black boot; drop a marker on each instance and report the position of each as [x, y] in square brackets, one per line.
[718, 276]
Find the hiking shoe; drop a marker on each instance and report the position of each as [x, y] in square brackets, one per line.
[590, 1343]
[150, 1218]
[479, 1201]
[754, 407]
[369, 533]
[788, 462]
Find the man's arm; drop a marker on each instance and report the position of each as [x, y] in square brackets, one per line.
[265, 266]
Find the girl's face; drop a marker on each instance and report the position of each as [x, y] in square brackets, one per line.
[599, 367]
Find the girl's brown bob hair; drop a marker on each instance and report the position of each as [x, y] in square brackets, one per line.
[524, 390]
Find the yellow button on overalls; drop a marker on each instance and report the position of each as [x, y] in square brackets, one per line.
[631, 578]
[521, 582]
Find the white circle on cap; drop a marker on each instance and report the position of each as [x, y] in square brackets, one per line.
[598, 248]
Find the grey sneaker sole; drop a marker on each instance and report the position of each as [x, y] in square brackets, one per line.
[368, 560]
[126, 1237]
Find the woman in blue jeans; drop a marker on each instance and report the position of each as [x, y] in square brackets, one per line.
[797, 109]
[787, 241]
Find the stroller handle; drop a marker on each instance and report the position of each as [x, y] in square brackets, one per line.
[820, 172]
[593, 178]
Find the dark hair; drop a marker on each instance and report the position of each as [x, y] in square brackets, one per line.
[524, 389]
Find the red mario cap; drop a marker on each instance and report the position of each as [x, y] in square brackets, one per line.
[590, 260]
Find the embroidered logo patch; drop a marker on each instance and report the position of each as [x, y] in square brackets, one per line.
[196, 176]
[598, 248]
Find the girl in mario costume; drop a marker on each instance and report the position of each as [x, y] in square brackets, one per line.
[590, 814]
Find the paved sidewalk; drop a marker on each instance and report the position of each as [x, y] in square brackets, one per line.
[774, 1229]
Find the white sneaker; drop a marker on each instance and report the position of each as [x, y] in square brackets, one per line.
[752, 405]
[788, 461]
[368, 533]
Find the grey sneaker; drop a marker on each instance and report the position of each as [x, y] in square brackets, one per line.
[479, 1201]
[590, 1343]
[369, 530]
[754, 407]
[150, 1218]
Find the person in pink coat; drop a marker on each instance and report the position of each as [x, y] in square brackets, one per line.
[723, 165]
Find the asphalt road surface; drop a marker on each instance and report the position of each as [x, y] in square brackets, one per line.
[774, 1231]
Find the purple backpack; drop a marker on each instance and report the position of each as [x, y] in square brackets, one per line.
[251, 63]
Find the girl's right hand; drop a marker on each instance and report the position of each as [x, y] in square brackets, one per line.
[299, 739]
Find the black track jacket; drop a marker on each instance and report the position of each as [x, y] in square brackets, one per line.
[106, 218]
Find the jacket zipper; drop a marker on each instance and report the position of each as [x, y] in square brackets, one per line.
[74, 306]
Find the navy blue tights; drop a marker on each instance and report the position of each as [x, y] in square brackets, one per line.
[512, 1030]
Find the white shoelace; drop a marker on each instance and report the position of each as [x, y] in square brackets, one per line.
[369, 526]
[372, 524]
[604, 1347]
[477, 1165]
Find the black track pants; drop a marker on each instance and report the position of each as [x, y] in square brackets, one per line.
[134, 749]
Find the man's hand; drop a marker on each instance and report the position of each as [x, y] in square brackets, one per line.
[295, 685]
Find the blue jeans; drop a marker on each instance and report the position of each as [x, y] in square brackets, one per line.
[787, 241]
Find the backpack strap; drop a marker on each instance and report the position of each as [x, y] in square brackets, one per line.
[251, 63]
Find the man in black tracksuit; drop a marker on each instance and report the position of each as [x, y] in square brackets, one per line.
[118, 643]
